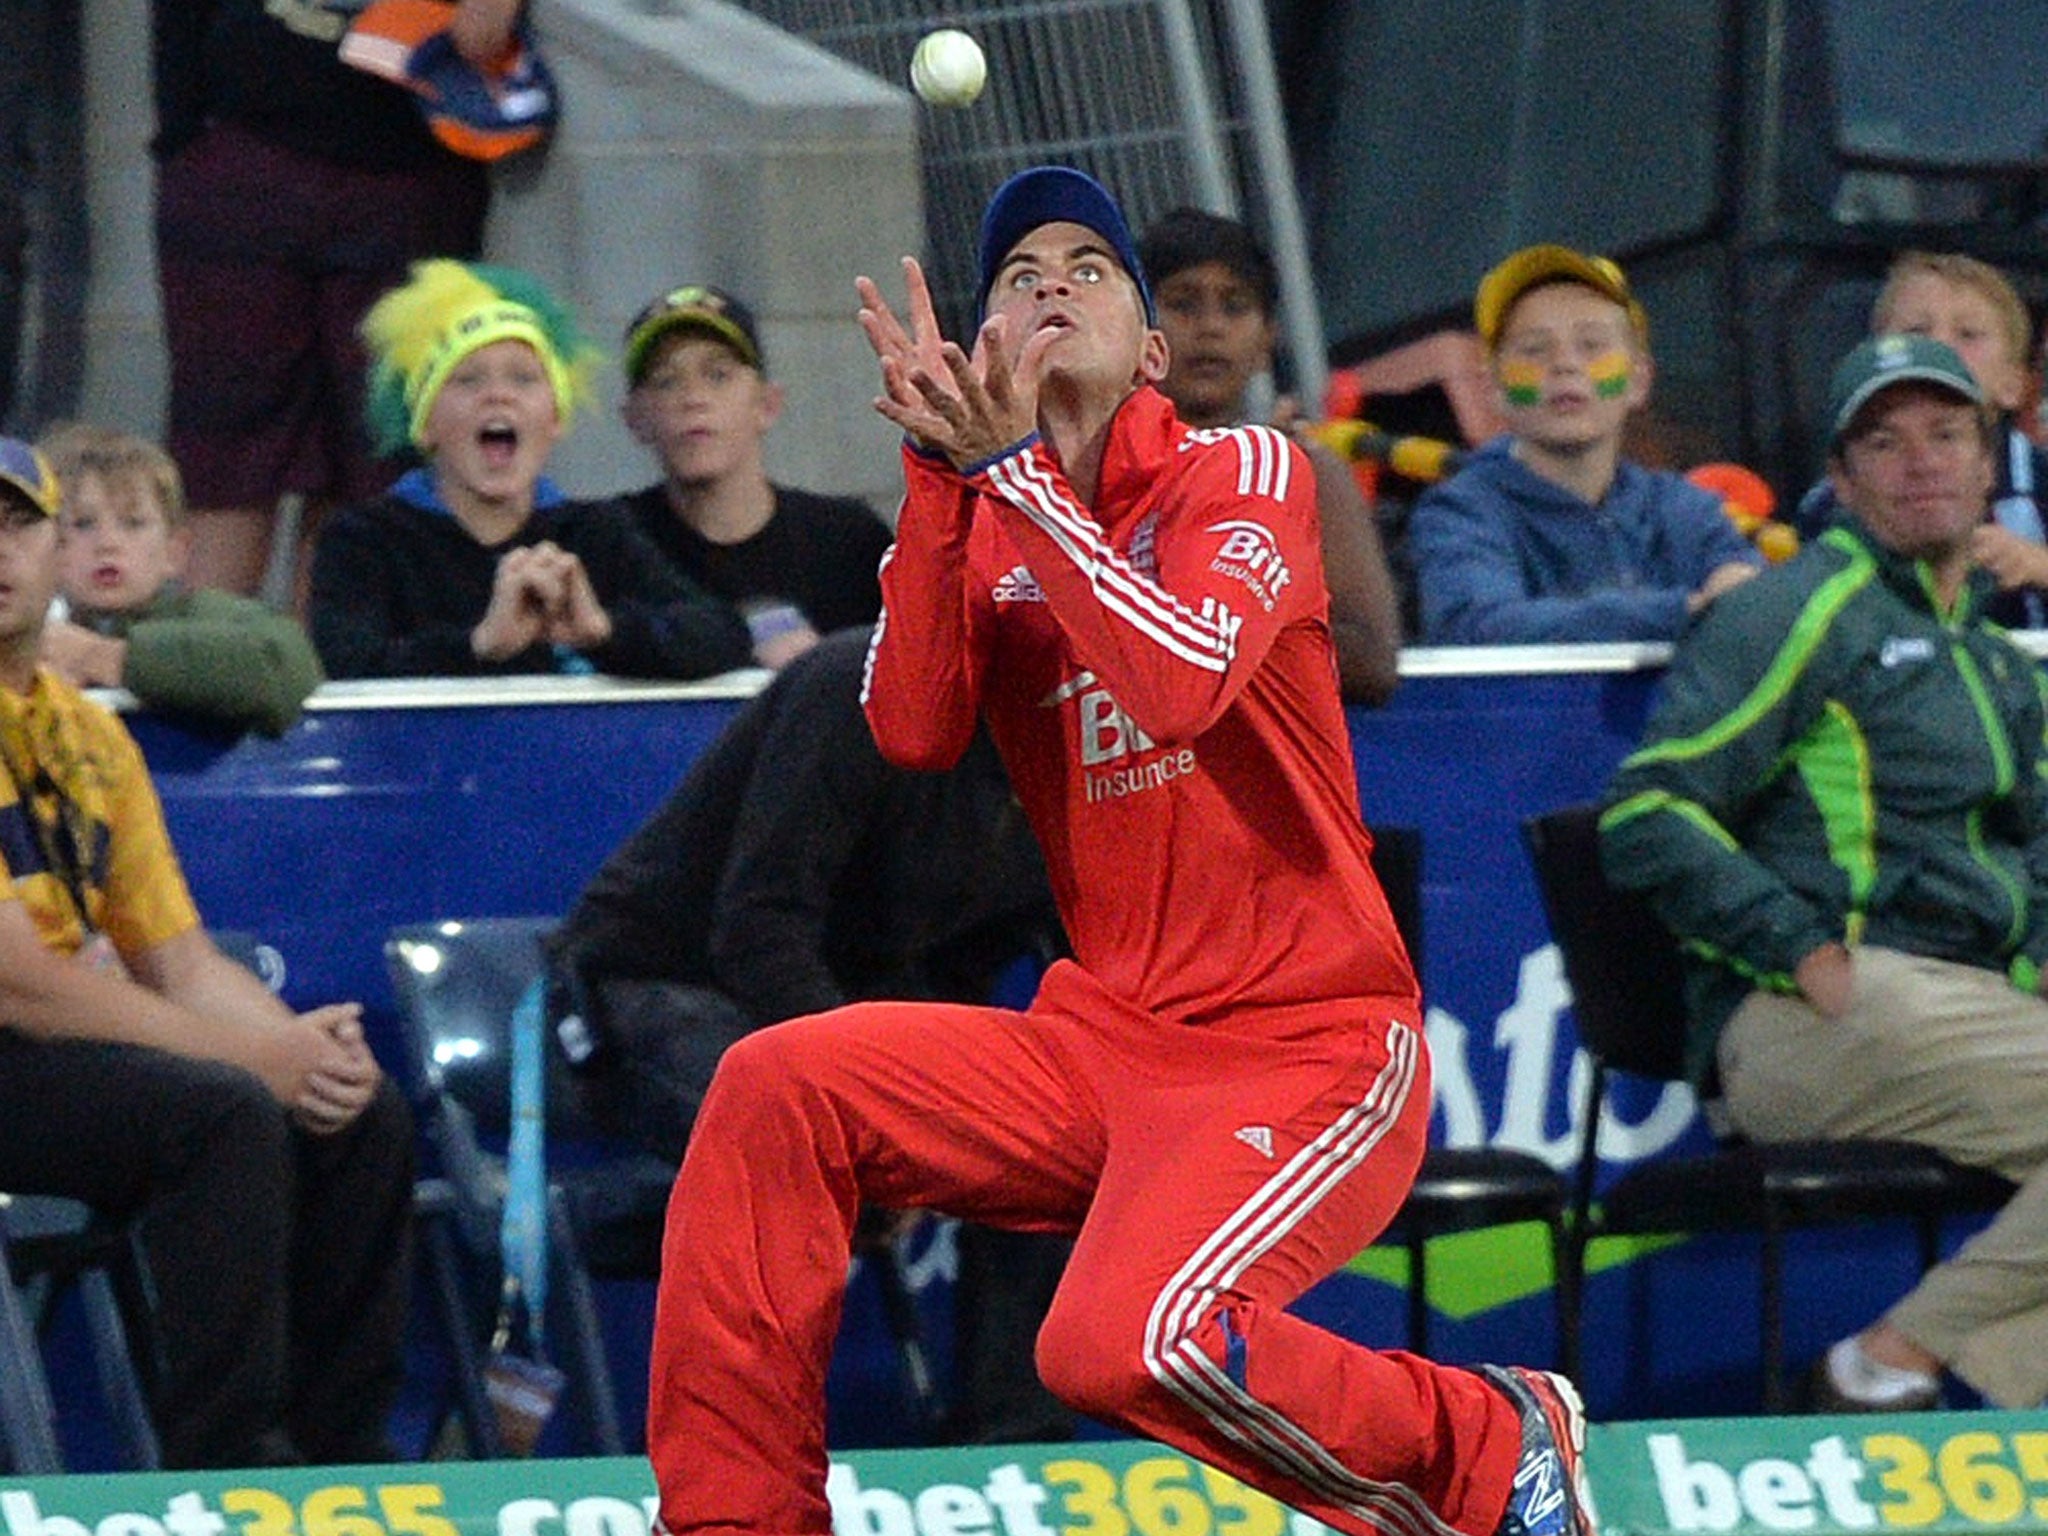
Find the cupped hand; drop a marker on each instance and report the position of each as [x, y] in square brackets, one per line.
[577, 619]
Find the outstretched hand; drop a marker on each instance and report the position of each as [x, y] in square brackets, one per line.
[967, 407]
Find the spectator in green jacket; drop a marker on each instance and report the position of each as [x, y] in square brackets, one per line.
[1841, 809]
[212, 658]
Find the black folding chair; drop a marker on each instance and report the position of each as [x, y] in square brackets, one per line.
[1463, 1189]
[1625, 973]
[49, 1247]
[457, 983]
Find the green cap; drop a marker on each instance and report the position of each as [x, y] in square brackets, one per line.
[1882, 361]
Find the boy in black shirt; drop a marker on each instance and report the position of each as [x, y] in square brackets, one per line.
[797, 564]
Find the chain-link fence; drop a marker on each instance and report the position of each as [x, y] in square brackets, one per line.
[1168, 102]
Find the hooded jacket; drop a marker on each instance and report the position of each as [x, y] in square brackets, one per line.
[1504, 557]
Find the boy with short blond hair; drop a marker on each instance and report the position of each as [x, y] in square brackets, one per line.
[1548, 534]
[122, 543]
[1968, 304]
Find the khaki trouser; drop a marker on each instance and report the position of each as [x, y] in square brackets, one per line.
[1952, 1057]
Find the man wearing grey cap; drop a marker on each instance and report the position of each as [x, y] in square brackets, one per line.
[1840, 808]
[1225, 1092]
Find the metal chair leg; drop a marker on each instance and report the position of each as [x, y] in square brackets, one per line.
[120, 1385]
[899, 1309]
[465, 1362]
[583, 1344]
[1418, 1293]
[28, 1418]
[1564, 1290]
[1771, 1318]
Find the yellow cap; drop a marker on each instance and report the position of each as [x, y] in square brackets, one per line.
[1537, 264]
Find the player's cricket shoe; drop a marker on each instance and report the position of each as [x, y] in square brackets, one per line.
[1548, 1497]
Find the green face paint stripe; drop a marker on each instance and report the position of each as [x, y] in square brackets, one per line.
[1805, 636]
[1521, 382]
[1609, 373]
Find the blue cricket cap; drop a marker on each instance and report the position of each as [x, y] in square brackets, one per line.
[1056, 194]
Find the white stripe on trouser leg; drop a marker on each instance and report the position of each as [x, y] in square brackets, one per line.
[1252, 1230]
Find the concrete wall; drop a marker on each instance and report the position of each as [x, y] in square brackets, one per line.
[696, 144]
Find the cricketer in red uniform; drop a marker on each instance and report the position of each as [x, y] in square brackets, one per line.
[1226, 1093]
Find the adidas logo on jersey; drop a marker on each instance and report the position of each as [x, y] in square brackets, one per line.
[1018, 585]
[1258, 1137]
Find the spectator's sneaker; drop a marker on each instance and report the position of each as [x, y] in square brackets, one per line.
[1549, 1493]
[1846, 1380]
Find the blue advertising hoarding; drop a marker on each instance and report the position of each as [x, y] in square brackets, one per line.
[395, 803]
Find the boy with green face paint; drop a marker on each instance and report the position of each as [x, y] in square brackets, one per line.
[1548, 535]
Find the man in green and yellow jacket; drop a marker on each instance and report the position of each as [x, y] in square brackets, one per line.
[1840, 809]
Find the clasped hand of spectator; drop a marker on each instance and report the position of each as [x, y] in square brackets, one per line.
[2013, 560]
[541, 594]
[320, 1067]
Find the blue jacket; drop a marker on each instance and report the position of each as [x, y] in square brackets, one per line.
[1504, 557]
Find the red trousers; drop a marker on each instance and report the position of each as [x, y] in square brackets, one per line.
[1212, 1175]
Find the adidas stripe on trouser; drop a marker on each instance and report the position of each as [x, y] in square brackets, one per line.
[1081, 1113]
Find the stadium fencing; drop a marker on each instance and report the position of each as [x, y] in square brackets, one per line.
[1168, 102]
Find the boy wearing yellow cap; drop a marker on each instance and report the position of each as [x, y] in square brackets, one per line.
[474, 562]
[1548, 535]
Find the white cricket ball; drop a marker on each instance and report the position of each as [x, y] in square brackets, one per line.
[948, 69]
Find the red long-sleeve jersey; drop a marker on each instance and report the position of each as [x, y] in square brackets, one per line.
[1157, 672]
